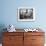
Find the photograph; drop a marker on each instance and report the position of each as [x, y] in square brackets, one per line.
[26, 14]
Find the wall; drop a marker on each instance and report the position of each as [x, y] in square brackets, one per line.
[9, 13]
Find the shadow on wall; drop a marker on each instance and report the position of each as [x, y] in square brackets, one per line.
[2, 26]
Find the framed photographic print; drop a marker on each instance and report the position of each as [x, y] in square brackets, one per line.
[26, 14]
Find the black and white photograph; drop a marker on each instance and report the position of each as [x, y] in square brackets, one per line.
[26, 14]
